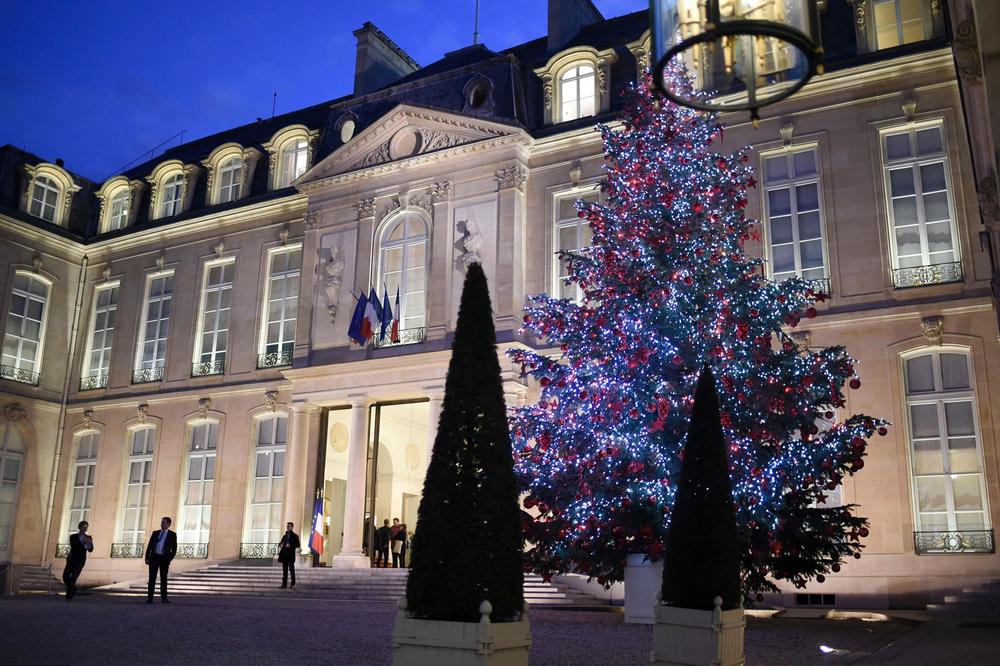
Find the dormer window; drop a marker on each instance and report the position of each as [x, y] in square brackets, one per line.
[294, 161]
[44, 198]
[173, 196]
[899, 22]
[118, 215]
[576, 87]
[230, 179]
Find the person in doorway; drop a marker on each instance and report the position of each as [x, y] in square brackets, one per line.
[287, 550]
[80, 544]
[160, 551]
[399, 546]
[383, 536]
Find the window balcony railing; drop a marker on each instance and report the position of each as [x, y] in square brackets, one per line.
[216, 367]
[961, 541]
[258, 551]
[93, 382]
[278, 359]
[921, 276]
[62, 551]
[18, 375]
[408, 336]
[146, 375]
[192, 551]
[133, 551]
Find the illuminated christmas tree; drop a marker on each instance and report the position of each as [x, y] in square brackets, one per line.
[668, 289]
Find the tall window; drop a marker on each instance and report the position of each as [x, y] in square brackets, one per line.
[794, 215]
[946, 455]
[140, 466]
[899, 22]
[216, 301]
[102, 334]
[152, 352]
[199, 484]
[230, 179]
[173, 196]
[11, 460]
[282, 297]
[268, 479]
[572, 234]
[44, 198]
[118, 213]
[403, 265]
[576, 92]
[920, 208]
[294, 161]
[24, 332]
[84, 472]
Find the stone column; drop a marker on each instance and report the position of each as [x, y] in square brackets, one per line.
[510, 276]
[351, 555]
[298, 482]
[439, 271]
[433, 414]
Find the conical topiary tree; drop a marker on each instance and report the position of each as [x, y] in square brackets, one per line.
[702, 559]
[468, 545]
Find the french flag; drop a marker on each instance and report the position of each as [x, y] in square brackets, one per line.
[316, 538]
[373, 315]
[387, 315]
[394, 333]
[354, 331]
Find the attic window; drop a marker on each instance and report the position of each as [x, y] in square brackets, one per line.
[347, 130]
[478, 94]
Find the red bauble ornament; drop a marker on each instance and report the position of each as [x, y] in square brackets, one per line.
[820, 578]
[810, 312]
[863, 531]
[855, 383]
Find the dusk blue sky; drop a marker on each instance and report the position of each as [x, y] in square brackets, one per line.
[100, 82]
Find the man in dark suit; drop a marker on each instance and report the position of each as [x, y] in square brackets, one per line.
[160, 551]
[383, 536]
[79, 545]
[287, 549]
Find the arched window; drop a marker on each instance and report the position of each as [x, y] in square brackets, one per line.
[25, 329]
[172, 197]
[577, 93]
[949, 491]
[84, 473]
[268, 480]
[44, 198]
[118, 213]
[11, 461]
[230, 179]
[142, 441]
[199, 483]
[294, 161]
[403, 267]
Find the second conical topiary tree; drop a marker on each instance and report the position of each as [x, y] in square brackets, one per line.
[468, 547]
[702, 558]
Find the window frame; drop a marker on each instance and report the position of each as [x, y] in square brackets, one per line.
[272, 449]
[49, 185]
[199, 352]
[297, 146]
[141, 340]
[175, 183]
[265, 320]
[385, 230]
[72, 514]
[147, 458]
[926, 22]
[202, 454]
[563, 76]
[96, 309]
[232, 166]
[556, 199]
[48, 283]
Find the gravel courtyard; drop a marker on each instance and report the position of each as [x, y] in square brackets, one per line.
[218, 630]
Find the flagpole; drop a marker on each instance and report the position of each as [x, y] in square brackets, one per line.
[475, 33]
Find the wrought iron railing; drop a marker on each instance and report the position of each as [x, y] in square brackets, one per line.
[276, 359]
[93, 382]
[817, 284]
[127, 550]
[146, 375]
[192, 551]
[920, 276]
[216, 367]
[961, 541]
[407, 336]
[62, 551]
[258, 551]
[18, 375]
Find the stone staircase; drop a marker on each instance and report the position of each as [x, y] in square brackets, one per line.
[387, 585]
[35, 579]
[974, 604]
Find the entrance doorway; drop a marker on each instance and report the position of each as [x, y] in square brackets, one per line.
[334, 483]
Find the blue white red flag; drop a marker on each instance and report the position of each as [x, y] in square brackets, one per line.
[357, 319]
[316, 538]
[373, 315]
[387, 316]
[394, 335]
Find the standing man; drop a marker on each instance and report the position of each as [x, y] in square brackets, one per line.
[79, 545]
[399, 545]
[382, 537]
[287, 550]
[161, 549]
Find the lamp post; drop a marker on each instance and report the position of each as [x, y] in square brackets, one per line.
[742, 54]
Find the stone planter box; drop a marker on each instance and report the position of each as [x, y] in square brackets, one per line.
[698, 637]
[642, 584]
[440, 643]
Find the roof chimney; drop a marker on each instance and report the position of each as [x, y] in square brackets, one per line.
[379, 60]
[566, 17]
[59, 162]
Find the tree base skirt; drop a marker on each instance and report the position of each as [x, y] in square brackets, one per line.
[441, 643]
[642, 583]
[683, 636]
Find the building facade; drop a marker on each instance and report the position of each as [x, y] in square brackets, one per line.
[175, 338]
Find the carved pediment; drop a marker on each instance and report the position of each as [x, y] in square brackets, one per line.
[404, 133]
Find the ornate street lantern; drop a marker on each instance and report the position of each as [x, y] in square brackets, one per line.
[742, 54]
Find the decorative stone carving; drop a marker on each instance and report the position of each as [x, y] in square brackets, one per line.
[271, 398]
[547, 91]
[219, 248]
[437, 140]
[106, 273]
[36, 262]
[440, 192]
[602, 75]
[412, 456]
[339, 437]
[88, 418]
[933, 328]
[283, 235]
[311, 219]
[13, 412]
[574, 174]
[366, 208]
[786, 130]
[512, 176]
[422, 201]
[472, 242]
[909, 107]
[160, 261]
[204, 404]
[378, 156]
[967, 59]
[141, 412]
[802, 340]
[333, 271]
[989, 201]
[394, 204]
